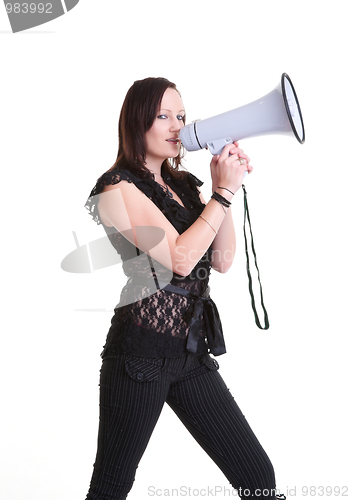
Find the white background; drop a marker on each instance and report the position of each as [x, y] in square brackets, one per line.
[62, 87]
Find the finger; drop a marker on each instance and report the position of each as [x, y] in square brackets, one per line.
[214, 161]
[243, 163]
[244, 156]
[226, 152]
[232, 158]
[235, 149]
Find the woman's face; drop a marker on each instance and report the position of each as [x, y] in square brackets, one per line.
[162, 139]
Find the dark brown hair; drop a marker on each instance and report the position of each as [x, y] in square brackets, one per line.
[137, 115]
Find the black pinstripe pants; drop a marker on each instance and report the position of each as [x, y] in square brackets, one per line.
[133, 391]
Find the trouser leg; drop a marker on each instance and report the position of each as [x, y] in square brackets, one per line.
[208, 410]
[129, 409]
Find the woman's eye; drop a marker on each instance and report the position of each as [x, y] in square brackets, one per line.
[164, 117]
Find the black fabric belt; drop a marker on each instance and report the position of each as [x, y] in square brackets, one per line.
[202, 306]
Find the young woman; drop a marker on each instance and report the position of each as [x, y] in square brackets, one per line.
[166, 324]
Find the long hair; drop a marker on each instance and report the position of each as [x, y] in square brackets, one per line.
[137, 115]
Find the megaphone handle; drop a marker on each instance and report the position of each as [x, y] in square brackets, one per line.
[216, 147]
[247, 217]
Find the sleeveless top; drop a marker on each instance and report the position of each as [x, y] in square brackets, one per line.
[150, 320]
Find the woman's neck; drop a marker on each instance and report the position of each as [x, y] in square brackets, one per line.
[155, 169]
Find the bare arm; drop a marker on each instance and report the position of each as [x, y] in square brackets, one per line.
[124, 206]
[224, 244]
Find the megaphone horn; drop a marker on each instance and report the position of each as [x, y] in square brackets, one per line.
[276, 113]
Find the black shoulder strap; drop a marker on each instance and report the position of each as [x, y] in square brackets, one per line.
[246, 216]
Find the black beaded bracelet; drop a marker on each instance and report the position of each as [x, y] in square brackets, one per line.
[221, 199]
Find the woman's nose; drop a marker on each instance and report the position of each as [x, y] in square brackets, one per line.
[176, 125]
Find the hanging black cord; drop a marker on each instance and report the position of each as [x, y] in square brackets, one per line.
[246, 216]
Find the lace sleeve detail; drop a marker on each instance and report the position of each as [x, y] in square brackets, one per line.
[190, 186]
[193, 181]
[111, 177]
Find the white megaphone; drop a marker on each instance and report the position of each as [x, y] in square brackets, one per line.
[276, 113]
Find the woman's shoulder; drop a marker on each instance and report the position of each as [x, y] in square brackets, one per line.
[193, 181]
[189, 183]
[187, 178]
[105, 182]
[187, 186]
[111, 178]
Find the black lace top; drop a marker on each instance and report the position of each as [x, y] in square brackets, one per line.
[150, 321]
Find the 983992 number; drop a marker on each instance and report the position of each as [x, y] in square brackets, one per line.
[28, 8]
[320, 491]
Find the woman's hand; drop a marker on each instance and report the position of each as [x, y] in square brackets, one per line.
[227, 171]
